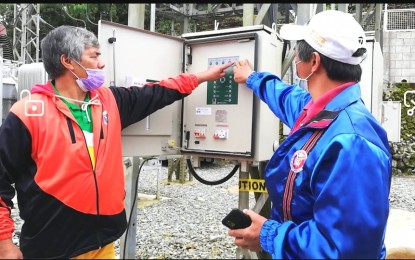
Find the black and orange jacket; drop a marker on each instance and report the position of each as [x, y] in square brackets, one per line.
[69, 208]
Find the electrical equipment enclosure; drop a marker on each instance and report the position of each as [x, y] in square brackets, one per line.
[31, 74]
[223, 118]
[133, 57]
[371, 83]
[391, 119]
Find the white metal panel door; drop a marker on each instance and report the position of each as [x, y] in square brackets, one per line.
[143, 55]
[391, 120]
[371, 83]
[366, 82]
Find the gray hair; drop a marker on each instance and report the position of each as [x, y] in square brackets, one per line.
[67, 40]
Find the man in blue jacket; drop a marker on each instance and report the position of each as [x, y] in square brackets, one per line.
[329, 181]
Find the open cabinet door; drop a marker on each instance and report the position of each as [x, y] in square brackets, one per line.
[133, 56]
[223, 118]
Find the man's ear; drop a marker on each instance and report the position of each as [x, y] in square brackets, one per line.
[315, 61]
[66, 62]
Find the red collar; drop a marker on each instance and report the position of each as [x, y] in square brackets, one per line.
[314, 107]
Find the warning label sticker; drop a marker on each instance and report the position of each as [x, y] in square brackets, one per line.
[252, 185]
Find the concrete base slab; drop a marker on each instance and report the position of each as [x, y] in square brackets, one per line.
[400, 231]
[145, 200]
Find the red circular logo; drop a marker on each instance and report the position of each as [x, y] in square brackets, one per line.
[298, 160]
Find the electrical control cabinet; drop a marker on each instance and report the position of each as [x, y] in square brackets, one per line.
[224, 118]
[220, 118]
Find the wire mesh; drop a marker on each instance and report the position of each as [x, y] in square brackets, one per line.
[403, 19]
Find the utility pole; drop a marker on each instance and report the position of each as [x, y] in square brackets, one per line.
[153, 18]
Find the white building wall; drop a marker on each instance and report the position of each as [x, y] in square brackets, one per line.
[399, 56]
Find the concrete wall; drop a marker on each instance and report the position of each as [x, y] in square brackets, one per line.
[399, 56]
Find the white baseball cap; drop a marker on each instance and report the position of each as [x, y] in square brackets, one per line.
[335, 34]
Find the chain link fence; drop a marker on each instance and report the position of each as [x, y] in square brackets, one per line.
[399, 19]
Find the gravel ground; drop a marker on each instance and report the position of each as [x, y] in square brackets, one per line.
[402, 195]
[186, 222]
[187, 225]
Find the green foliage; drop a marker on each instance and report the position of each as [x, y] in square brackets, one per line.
[83, 15]
[164, 24]
[403, 152]
[7, 16]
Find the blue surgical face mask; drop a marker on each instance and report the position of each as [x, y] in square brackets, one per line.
[95, 79]
[302, 83]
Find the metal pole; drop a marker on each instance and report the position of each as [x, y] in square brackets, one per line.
[158, 165]
[287, 62]
[23, 35]
[172, 31]
[276, 14]
[185, 22]
[185, 27]
[320, 8]
[15, 52]
[303, 13]
[153, 17]
[244, 204]
[358, 16]
[189, 11]
[378, 27]
[37, 31]
[243, 196]
[248, 14]
[113, 59]
[29, 30]
[385, 18]
[136, 14]
[261, 14]
[343, 7]
[127, 248]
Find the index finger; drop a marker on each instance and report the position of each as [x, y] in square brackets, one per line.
[227, 65]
